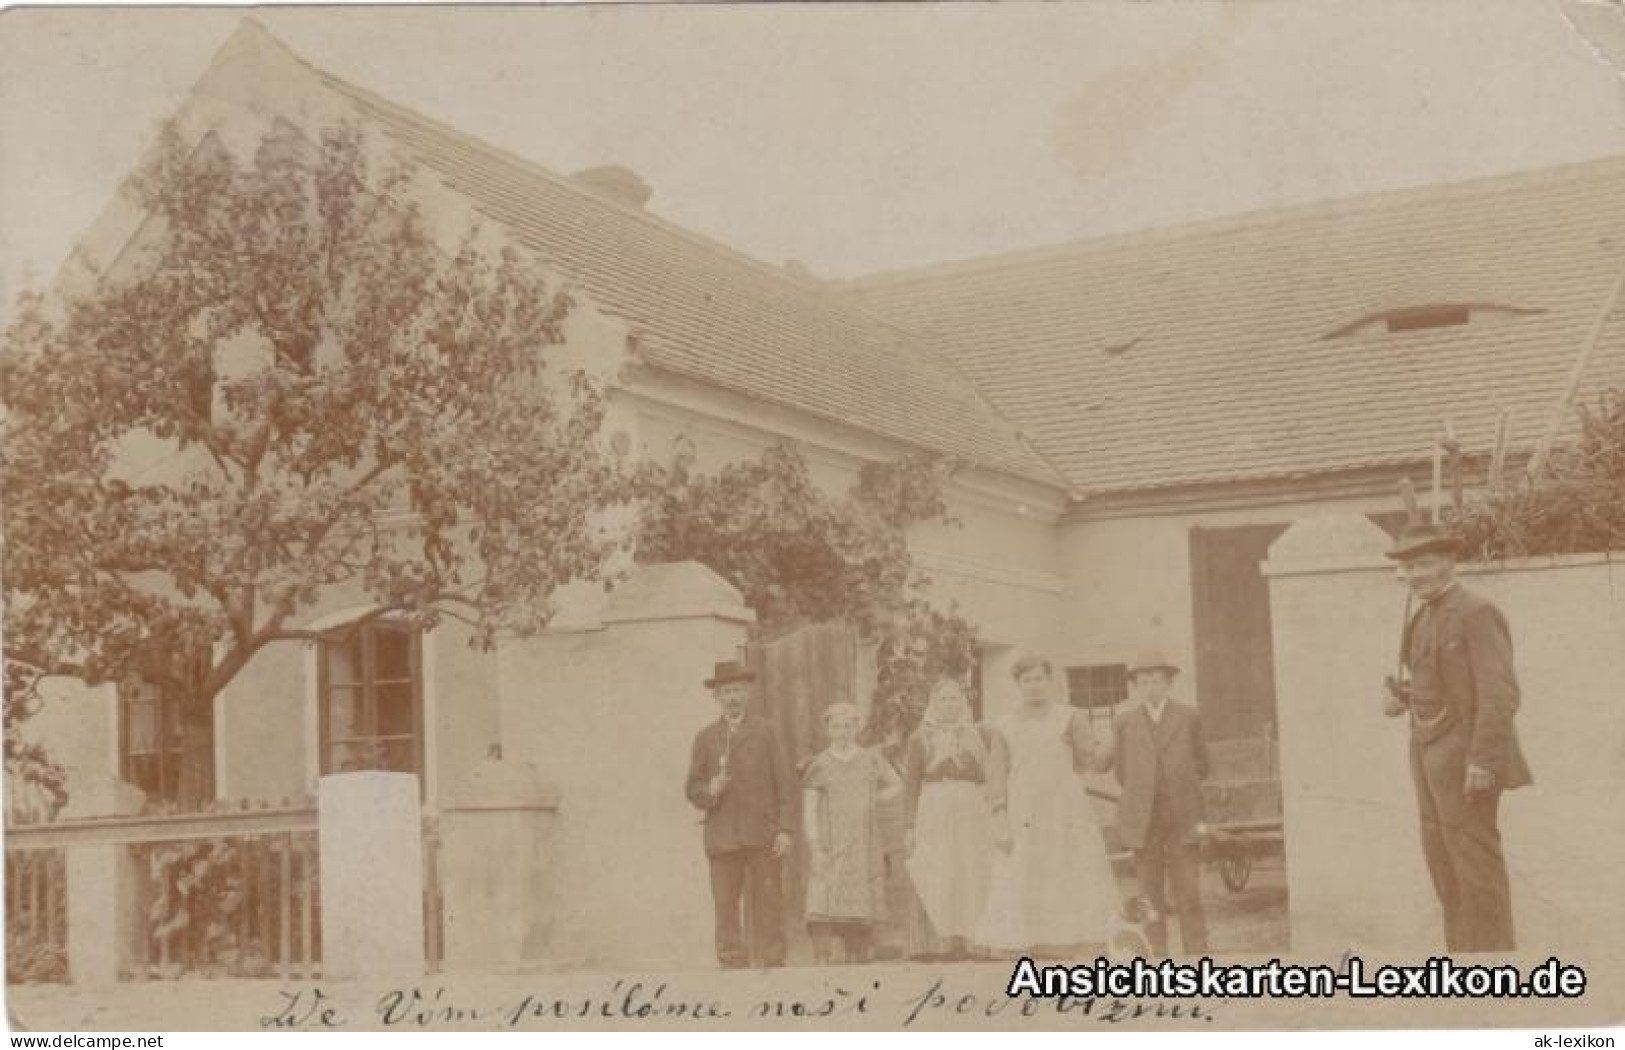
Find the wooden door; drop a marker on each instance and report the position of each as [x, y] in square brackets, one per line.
[1235, 656]
[798, 675]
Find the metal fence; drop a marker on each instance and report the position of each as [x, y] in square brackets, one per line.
[226, 893]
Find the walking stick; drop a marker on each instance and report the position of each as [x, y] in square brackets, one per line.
[1413, 514]
[1396, 681]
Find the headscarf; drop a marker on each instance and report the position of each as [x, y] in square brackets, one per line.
[946, 729]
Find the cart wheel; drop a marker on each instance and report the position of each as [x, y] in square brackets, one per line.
[1236, 869]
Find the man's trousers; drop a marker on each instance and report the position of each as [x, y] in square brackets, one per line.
[1462, 845]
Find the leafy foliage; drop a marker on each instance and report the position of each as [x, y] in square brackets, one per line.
[323, 397]
[195, 919]
[36, 785]
[928, 644]
[799, 555]
[1577, 506]
[796, 554]
[32, 959]
[35, 935]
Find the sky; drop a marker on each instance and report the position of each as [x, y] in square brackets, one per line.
[856, 138]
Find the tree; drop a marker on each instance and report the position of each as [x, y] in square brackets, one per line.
[799, 555]
[338, 403]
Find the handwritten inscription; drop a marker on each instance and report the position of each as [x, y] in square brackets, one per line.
[626, 1002]
[924, 1003]
[305, 1009]
[938, 1005]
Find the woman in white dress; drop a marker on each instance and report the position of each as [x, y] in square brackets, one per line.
[1052, 887]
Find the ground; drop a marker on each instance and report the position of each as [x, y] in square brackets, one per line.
[1253, 921]
[1249, 926]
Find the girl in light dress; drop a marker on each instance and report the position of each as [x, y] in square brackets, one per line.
[846, 887]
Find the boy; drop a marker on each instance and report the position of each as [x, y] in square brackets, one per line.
[1160, 760]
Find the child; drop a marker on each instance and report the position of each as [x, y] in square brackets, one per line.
[846, 887]
[1160, 760]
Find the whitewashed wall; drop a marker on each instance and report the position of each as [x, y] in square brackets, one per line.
[1128, 580]
[1354, 862]
[608, 717]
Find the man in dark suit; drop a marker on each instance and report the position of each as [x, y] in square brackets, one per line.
[1160, 760]
[1461, 694]
[738, 775]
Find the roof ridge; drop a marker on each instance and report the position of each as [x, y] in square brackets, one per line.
[827, 294]
[816, 286]
[1254, 218]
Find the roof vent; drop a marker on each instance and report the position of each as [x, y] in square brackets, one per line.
[1409, 320]
[1431, 315]
[616, 183]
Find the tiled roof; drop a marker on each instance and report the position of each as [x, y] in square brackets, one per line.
[1201, 354]
[706, 312]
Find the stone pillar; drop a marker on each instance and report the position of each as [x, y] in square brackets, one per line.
[371, 835]
[102, 921]
[609, 716]
[496, 860]
[1354, 856]
[1355, 873]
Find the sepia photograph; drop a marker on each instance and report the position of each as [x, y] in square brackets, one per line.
[1098, 516]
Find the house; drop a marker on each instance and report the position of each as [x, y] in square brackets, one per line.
[1202, 387]
[1139, 417]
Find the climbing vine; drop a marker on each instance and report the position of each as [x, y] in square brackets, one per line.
[801, 555]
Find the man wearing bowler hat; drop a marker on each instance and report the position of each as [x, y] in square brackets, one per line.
[1461, 693]
[738, 775]
[1160, 760]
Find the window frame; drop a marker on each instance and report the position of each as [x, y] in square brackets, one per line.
[1104, 710]
[367, 686]
[170, 754]
[1118, 687]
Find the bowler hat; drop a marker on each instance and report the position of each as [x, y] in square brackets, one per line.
[1417, 540]
[1151, 660]
[729, 671]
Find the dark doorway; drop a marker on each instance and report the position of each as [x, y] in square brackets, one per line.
[1235, 659]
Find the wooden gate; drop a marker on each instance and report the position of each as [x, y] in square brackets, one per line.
[798, 675]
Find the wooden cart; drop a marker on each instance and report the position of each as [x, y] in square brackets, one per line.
[1242, 799]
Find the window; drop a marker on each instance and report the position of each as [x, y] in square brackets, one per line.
[1097, 689]
[371, 695]
[1100, 686]
[153, 729]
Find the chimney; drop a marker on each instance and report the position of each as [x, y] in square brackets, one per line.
[613, 182]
